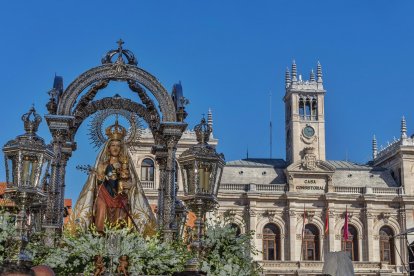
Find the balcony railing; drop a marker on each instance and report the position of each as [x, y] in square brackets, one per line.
[282, 188]
[148, 185]
[290, 267]
[253, 187]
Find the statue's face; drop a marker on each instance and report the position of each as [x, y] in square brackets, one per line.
[114, 148]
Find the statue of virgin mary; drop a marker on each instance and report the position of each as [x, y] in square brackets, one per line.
[113, 193]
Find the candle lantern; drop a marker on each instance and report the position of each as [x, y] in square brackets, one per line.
[27, 160]
[201, 169]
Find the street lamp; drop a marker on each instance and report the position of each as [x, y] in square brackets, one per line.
[27, 160]
[201, 169]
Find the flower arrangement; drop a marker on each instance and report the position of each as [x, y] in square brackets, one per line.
[227, 253]
[76, 251]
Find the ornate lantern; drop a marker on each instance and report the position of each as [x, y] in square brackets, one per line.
[27, 161]
[201, 169]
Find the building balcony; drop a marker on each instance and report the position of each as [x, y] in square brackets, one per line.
[315, 268]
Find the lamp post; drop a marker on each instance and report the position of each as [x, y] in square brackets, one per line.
[27, 160]
[201, 169]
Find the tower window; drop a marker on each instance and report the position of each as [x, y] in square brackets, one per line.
[314, 110]
[308, 109]
[301, 108]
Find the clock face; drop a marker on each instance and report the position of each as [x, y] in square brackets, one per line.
[308, 131]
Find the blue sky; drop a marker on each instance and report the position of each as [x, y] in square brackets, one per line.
[229, 55]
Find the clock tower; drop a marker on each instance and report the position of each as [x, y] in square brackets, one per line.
[304, 115]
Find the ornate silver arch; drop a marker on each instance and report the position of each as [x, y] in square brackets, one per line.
[111, 72]
[119, 103]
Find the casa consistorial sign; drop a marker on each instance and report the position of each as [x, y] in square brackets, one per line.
[309, 184]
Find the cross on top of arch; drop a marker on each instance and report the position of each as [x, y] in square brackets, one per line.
[130, 57]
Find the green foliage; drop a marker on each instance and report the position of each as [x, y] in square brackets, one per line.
[227, 254]
[75, 252]
[9, 246]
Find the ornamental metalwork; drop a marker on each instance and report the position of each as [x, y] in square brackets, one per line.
[69, 108]
[27, 165]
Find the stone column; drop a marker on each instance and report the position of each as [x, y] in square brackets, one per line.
[292, 235]
[369, 235]
[331, 232]
[401, 240]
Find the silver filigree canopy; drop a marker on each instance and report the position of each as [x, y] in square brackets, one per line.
[96, 127]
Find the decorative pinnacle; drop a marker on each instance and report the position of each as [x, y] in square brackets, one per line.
[403, 128]
[120, 42]
[287, 76]
[210, 119]
[312, 76]
[31, 125]
[202, 131]
[374, 147]
[319, 72]
[294, 72]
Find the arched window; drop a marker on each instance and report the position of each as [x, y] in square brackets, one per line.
[301, 108]
[147, 170]
[308, 109]
[386, 245]
[351, 245]
[271, 242]
[314, 109]
[310, 242]
[236, 227]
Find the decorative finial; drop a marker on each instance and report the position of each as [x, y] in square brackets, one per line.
[210, 119]
[31, 121]
[120, 42]
[312, 76]
[287, 76]
[319, 72]
[202, 131]
[121, 52]
[294, 72]
[374, 147]
[403, 128]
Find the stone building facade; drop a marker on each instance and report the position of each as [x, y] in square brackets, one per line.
[297, 207]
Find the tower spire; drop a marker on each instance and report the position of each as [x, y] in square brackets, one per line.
[403, 128]
[210, 119]
[294, 72]
[374, 147]
[319, 73]
[287, 76]
[312, 76]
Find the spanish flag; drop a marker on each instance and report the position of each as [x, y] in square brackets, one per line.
[327, 221]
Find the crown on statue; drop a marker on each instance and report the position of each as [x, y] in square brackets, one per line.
[116, 131]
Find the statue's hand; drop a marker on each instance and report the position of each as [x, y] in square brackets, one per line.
[127, 184]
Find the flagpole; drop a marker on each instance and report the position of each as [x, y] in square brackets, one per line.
[326, 242]
[345, 234]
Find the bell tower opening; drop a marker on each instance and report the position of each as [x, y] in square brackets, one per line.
[305, 118]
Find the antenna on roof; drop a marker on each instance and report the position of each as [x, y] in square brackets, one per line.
[270, 125]
[247, 152]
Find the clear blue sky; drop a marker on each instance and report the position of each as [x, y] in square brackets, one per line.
[229, 55]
